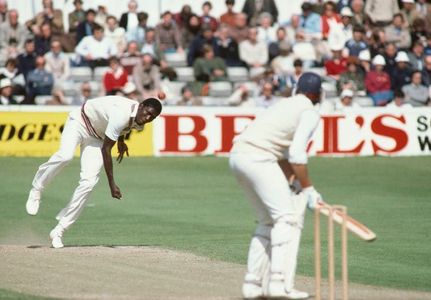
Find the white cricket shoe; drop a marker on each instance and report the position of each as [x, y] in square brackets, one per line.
[251, 291]
[33, 202]
[56, 235]
[276, 290]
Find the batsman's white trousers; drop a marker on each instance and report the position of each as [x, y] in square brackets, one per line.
[280, 216]
[74, 134]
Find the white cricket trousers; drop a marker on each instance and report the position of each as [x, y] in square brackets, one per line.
[280, 217]
[74, 134]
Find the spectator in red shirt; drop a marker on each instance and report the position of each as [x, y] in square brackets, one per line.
[183, 16]
[229, 16]
[378, 82]
[206, 18]
[115, 78]
[329, 16]
[338, 64]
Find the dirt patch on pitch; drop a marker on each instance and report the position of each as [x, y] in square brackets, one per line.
[136, 273]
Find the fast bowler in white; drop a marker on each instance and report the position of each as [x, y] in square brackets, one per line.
[96, 127]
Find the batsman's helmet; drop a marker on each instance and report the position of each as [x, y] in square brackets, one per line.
[309, 83]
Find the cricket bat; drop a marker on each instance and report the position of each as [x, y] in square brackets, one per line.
[352, 225]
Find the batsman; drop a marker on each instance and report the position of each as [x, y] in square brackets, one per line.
[263, 158]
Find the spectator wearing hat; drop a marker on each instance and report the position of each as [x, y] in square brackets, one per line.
[96, 49]
[27, 60]
[254, 53]
[426, 72]
[337, 64]
[352, 79]
[146, 77]
[283, 63]
[416, 93]
[168, 36]
[364, 61]
[39, 81]
[346, 23]
[115, 78]
[129, 19]
[381, 12]
[205, 37]
[416, 56]
[227, 48]
[402, 72]
[206, 18]
[253, 9]
[84, 94]
[116, 34]
[11, 71]
[12, 36]
[6, 96]
[129, 91]
[329, 16]
[190, 30]
[409, 12]
[345, 103]
[358, 12]
[310, 23]
[239, 32]
[266, 32]
[356, 44]
[85, 28]
[58, 64]
[397, 33]
[209, 67]
[378, 83]
[77, 16]
[137, 33]
[399, 102]
[228, 17]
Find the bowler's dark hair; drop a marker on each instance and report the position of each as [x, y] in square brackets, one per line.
[154, 103]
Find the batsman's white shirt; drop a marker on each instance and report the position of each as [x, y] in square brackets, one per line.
[282, 130]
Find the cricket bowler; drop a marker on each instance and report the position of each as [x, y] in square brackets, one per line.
[96, 127]
[263, 157]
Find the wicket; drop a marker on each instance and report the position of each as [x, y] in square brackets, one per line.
[331, 255]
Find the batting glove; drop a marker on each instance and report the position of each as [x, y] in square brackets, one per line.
[312, 196]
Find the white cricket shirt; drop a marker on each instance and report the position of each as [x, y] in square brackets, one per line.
[283, 130]
[110, 116]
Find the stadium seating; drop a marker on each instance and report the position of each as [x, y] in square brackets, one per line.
[176, 59]
[185, 74]
[237, 74]
[220, 89]
[81, 74]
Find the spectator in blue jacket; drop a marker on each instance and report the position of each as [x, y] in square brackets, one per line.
[27, 60]
[310, 22]
[195, 49]
[39, 81]
[357, 43]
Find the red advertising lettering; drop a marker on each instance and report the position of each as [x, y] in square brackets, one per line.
[173, 134]
[228, 131]
[399, 136]
[330, 136]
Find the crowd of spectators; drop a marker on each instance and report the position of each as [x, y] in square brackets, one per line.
[374, 52]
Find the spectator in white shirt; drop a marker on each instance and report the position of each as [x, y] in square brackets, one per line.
[96, 49]
[399, 102]
[129, 20]
[283, 63]
[254, 53]
[266, 32]
[116, 34]
[58, 64]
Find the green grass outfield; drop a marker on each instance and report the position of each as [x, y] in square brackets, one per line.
[195, 205]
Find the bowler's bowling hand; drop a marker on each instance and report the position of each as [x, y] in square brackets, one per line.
[115, 192]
